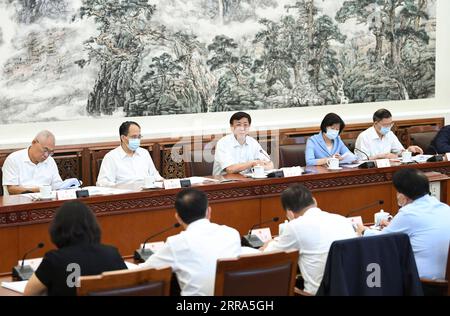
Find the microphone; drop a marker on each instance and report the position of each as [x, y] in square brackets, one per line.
[143, 254]
[367, 164]
[253, 241]
[22, 272]
[436, 157]
[357, 210]
[264, 154]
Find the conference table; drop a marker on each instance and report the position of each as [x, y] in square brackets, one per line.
[128, 219]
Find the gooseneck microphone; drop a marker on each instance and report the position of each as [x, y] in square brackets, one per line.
[143, 254]
[253, 241]
[359, 209]
[24, 272]
[368, 164]
[264, 154]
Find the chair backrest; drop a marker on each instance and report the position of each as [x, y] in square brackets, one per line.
[377, 265]
[96, 162]
[199, 162]
[292, 155]
[422, 136]
[269, 274]
[138, 282]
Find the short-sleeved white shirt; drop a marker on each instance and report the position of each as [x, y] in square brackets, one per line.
[370, 143]
[18, 169]
[229, 152]
[117, 167]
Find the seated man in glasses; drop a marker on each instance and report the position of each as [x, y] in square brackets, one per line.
[27, 169]
[379, 142]
[129, 162]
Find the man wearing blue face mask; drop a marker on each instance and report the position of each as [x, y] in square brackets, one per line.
[129, 162]
[327, 144]
[379, 142]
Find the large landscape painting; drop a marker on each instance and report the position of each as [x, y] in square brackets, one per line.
[74, 59]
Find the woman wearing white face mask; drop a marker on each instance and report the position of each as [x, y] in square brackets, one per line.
[327, 144]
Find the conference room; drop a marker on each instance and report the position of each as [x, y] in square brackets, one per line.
[211, 157]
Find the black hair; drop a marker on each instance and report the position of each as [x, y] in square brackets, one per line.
[191, 205]
[331, 119]
[125, 127]
[296, 198]
[240, 115]
[74, 224]
[411, 182]
[381, 114]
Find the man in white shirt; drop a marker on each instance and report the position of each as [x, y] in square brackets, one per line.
[239, 152]
[128, 162]
[311, 231]
[193, 253]
[28, 169]
[379, 142]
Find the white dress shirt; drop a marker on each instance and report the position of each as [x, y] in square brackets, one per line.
[193, 255]
[19, 170]
[370, 143]
[117, 167]
[229, 152]
[312, 234]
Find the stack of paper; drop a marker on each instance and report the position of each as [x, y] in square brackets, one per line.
[18, 286]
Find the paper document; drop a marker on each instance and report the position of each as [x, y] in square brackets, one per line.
[105, 191]
[33, 263]
[131, 266]
[348, 158]
[71, 183]
[18, 286]
[199, 180]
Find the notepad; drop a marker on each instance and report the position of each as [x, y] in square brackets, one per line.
[18, 286]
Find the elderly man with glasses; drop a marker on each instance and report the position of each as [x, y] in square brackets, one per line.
[129, 162]
[379, 142]
[27, 169]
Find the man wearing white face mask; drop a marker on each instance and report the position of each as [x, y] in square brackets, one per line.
[423, 218]
[327, 144]
[128, 162]
[379, 142]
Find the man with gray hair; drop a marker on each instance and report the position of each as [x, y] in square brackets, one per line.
[28, 169]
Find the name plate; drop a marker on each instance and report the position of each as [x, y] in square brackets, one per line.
[153, 246]
[263, 233]
[383, 163]
[292, 172]
[66, 195]
[172, 184]
[447, 156]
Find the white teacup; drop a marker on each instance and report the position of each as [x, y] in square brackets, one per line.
[258, 171]
[45, 191]
[149, 181]
[406, 156]
[333, 163]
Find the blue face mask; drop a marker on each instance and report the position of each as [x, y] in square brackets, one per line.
[332, 134]
[385, 130]
[134, 144]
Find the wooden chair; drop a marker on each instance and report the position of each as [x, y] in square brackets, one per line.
[138, 282]
[292, 151]
[96, 162]
[422, 136]
[440, 286]
[267, 274]
[195, 162]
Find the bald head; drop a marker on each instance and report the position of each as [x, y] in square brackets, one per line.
[45, 135]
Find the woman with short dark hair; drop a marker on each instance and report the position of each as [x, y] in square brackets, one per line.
[76, 234]
[327, 144]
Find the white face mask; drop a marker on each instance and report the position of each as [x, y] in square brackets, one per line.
[332, 134]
